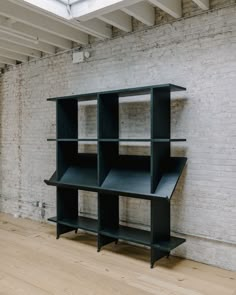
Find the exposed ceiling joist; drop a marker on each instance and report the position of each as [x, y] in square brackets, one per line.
[95, 27]
[7, 61]
[118, 19]
[172, 7]
[86, 10]
[13, 55]
[19, 49]
[203, 4]
[22, 30]
[32, 45]
[142, 11]
[43, 22]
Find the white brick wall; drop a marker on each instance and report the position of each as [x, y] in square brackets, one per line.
[197, 52]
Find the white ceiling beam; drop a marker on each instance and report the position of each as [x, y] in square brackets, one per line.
[172, 7]
[95, 27]
[203, 4]
[86, 10]
[118, 19]
[7, 61]
[142, 11]
[34, 48]
[41, 21]
[19, 49]
[13, 55]
[23, 30]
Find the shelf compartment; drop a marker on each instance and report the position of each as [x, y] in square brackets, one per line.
[169, 245]
[82, 173]
[128, 234]
[81, 222]
[129, 174]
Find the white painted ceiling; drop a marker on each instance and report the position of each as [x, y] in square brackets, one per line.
[31, 28]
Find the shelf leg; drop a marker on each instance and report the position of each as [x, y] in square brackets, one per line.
[157, 254]
[104, 240]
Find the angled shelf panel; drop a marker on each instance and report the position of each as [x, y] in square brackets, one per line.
[80, 176]
[82, 172]
[170, 177]
[122, 180]
[81, 222]
[130, 174]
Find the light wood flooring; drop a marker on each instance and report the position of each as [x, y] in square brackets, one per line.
[33, 262]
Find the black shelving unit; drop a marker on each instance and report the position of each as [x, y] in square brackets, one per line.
[110, 174]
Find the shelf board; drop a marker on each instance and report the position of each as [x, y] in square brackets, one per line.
[117, 139]
[129, 234]
[121, 92]
[169, 245]
[168, 139]
[81, 222]
[124, 139]
[71, 139]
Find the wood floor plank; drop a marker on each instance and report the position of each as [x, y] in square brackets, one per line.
[33, 262]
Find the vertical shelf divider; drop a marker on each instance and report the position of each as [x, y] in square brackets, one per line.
[108, 128]
[160, 227]
[66, 127]
[108, 217]
[67, 208]
[160, 128]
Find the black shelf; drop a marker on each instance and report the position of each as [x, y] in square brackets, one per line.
[117, 139]
[168, 245]
[129, 234]
[71, 139]
[120, 92]
[81, 222]
[112, 175]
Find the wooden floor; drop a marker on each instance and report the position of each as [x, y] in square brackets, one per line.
[33, 262]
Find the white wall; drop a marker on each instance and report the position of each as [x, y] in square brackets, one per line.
[198, 53]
